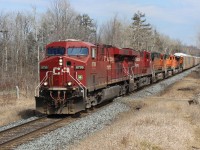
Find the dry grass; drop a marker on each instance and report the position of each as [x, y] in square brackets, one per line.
[13, 110]
[163, 122]
[155, 127]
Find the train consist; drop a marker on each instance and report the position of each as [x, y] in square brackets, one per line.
[77, 75]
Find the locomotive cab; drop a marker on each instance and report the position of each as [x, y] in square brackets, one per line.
[63, 81]
[158, 69]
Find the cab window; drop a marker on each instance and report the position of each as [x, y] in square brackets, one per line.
[77, 51]
[52, 51]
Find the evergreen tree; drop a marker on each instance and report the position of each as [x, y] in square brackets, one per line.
[141, 31]
[88, 27]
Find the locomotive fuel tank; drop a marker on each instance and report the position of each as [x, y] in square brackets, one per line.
[110, 93]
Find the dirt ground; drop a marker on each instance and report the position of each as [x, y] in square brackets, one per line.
[168, 121]
[12, 109]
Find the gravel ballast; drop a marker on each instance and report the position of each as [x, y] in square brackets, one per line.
[60, 138]
[16, 123]
[157, 88]
[63, 137]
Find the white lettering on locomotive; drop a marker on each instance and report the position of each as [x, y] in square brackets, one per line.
[111, 59]
[137, 59]
[136, 65]
[94, 64]
[56, 71]
[108, 67]
[65, 70]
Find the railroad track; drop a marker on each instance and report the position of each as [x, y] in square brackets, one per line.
[15, 136]
[12, 137]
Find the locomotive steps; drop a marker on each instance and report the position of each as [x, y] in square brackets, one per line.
[63, 137]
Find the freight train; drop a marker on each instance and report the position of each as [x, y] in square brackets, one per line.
[77, 75]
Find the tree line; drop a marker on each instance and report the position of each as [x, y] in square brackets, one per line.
[24, 34]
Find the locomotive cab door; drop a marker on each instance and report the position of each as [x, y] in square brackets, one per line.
[147, 60]
[93, 66]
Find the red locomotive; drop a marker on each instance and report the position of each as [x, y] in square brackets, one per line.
[77, 75]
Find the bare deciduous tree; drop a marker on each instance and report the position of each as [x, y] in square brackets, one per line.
[113, 32]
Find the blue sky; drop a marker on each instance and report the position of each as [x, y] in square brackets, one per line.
[178, 19]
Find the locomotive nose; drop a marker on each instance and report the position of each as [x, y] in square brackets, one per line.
[60, 73]
[52, 72]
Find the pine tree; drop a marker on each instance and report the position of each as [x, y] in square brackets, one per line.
[141, 31]
[88, 27]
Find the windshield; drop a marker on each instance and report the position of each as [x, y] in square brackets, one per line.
[77, 51]
[51, 51]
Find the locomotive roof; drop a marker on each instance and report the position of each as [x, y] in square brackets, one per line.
[70, 42]
[181, 54]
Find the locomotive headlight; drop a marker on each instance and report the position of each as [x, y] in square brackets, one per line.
[60, 62]
[45, 83]
[69, 83]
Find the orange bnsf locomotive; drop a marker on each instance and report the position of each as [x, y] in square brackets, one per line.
[76, 75]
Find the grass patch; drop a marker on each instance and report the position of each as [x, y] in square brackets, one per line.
[146, 145]
[14, 109]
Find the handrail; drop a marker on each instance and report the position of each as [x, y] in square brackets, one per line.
[131, 75]
[43, 80]
[77, 81]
